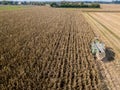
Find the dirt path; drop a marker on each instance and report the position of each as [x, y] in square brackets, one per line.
[110, 70]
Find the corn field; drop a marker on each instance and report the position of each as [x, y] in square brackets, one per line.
[47, 49]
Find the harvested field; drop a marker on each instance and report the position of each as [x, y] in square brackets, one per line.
[110, 6]
[11, 7]
[106, 25]
[47, 49]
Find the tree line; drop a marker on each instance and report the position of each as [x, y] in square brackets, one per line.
[75, 5]
[22, 3]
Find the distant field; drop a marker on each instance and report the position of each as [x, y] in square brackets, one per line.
[9, 7]
[110, 6]
[105, 8]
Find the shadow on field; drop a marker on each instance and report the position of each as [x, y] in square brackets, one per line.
[110, 55]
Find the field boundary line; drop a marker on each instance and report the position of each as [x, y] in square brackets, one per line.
[101, 11]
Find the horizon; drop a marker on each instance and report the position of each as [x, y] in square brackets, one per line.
[59, 0]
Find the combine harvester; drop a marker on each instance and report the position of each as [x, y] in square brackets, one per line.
[98, 49]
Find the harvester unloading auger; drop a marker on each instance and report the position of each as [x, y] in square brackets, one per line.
[98, 49]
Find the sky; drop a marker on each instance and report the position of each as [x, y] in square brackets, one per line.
[57, 0]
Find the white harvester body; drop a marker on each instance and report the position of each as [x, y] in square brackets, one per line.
[98, 49]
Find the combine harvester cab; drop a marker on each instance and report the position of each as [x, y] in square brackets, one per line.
[98, 49]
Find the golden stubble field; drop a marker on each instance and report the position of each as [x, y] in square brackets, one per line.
[112, 7]
[47, 49]
[106, 25]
